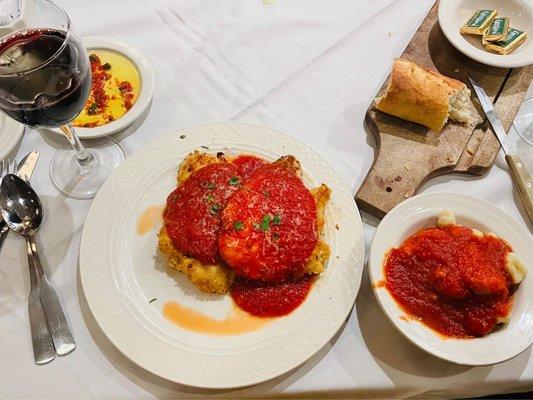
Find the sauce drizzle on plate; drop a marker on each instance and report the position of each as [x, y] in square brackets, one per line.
[237, 322]
[150, 219]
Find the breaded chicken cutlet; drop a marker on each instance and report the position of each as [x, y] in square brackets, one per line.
[218, 277]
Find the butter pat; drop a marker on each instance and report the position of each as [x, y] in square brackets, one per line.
[478, 23]
[497, 30]
[514, 39]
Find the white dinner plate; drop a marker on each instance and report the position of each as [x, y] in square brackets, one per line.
[10, 134]
[122, 271]
[421, 212]
[454, 13]
[146, 72]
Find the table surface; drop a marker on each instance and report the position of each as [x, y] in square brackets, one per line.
[309, 68]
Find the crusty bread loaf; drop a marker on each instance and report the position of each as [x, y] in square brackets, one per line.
[424, 96]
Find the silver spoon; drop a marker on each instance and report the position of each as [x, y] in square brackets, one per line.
[23, 213]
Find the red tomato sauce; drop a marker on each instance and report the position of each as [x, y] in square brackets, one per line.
[270, 300]
[126, 91]
[248, 164]
[192, 213]
[268, 227]
[277, 236]
[451, 280]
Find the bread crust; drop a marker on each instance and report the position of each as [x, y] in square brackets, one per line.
[418, 94]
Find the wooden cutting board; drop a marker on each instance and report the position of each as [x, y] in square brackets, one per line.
[407, 154]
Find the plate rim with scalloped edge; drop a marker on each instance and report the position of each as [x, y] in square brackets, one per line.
[120, 271]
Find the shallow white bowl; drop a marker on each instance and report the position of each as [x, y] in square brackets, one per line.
[421, 212]
[146, 72]
[454, 13]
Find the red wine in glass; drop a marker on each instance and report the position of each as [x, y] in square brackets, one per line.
[44, 81]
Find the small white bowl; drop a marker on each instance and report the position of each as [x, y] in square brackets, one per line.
[146, 72]
[421, 212]
[454, 13]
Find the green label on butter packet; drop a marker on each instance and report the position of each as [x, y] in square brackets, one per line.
[479, 18]
[497, 27]
[511, 37]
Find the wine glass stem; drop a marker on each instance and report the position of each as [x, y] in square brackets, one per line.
[83, 156]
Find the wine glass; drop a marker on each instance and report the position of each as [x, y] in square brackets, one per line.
[524, 121]
[45, 80]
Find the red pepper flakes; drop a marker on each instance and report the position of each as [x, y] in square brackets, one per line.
[98, 99]
[126, 91]
[98, 95]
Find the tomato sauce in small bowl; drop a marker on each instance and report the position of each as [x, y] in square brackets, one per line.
[452, 279]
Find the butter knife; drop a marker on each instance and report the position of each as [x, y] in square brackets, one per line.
[24, 170]
[519, 174]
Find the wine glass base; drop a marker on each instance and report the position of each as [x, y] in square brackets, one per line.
[523, 122]
[83, 182]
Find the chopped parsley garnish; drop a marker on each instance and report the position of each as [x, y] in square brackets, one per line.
[210, 185]
[182, 136]
[210, 198]
[151, 301]
[215, 208]
[92, 109]
[265, 223]
[234, 181]
[238, 225]
[93, 57]
[106, 66]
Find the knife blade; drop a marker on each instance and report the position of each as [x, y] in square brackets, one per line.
[493, 118]
[521, 178]
[25, 170]
[26, 167]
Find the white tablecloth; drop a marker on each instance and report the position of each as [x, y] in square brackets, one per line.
[306, 67]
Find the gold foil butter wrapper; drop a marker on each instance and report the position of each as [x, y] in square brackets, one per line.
[514, 39]
[497, 30]
[478, 23]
